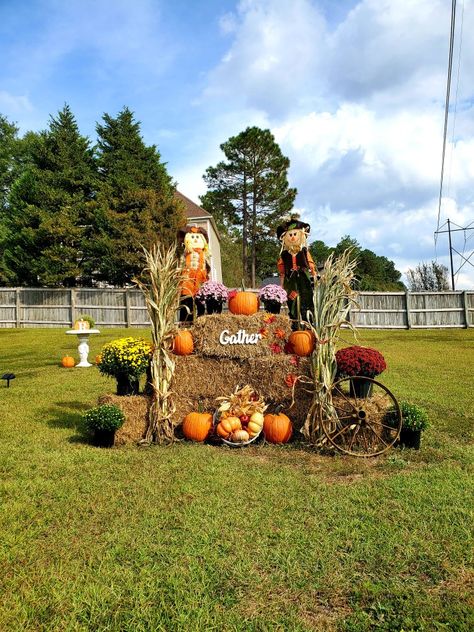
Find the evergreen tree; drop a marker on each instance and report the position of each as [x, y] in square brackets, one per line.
[250, 192]
[135, 205]
[48, 205]
[374, 273]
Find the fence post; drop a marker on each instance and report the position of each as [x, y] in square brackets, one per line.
[407, 307]
[17, 307]
[73, 306]
[127, 308]
[466, 311]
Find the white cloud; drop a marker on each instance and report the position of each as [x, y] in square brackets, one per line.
[14, 104]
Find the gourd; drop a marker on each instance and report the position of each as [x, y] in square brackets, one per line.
[240, 436]
[197, 425]
[228, 426]
[244, 304]
[183, 344]
[302, 342]
[277, 428]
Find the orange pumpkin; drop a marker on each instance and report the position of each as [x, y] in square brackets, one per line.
[183, 343]
[68, 362]
[196, 426]
[277, 428]
[244, 304]
[98, 359]
[228, 426]
[302, 342]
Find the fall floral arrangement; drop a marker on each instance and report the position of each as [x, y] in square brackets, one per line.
[364, 361]
[241, 416]
[212, 290]
[272, 292]
[125, 356]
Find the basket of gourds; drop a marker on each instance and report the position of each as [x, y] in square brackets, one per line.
[239, 419]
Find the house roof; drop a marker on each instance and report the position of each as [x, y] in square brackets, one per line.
[193, 211]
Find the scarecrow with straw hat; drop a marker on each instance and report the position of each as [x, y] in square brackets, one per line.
[195, 265]
[296, 268]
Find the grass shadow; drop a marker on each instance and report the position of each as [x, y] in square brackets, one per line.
[66, 415]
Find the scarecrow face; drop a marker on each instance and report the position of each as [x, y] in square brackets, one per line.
[193, 241]
[293, 237]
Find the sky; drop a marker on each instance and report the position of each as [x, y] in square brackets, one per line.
[354, 93]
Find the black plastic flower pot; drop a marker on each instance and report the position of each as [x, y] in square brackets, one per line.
[272, 307]
[410, 438]
[213, 306]
[103, 438]
[127, 385]
[360, 387]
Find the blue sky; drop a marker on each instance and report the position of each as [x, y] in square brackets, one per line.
[353, 91]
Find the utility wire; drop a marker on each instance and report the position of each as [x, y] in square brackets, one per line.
[446, 106]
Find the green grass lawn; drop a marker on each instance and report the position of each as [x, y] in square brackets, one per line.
[193, 537]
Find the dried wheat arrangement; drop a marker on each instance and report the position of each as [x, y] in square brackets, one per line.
[333, 296]
[161, 288]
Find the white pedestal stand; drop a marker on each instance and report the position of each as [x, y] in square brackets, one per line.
[83, 347]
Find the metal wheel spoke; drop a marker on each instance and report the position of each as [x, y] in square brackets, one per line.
[353, 438]
[343, 395]
[379, 437]
[379, 423]
[340, 432]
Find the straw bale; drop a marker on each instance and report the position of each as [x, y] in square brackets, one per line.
[207, 330]
[204, 379]
[135, 409]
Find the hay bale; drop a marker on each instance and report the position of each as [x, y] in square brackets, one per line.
[135, 409]
[208, 329]
[204, 379]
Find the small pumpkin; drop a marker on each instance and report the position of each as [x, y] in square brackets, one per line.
[197, 425]
[277, 428]
[302, 342]
[183, 344]
[244, 304]
[253, 428]
[98, 359]
[239, 436]
[68, 362]
[228, 426]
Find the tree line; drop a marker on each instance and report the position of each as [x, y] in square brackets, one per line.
[73, 213]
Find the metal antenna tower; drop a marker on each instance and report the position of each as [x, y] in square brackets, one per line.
[452, 249]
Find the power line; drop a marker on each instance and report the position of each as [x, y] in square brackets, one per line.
[446, 106]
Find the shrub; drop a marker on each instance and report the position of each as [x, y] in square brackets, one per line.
[212, 289]
[356, 360]
[105, 417]
[88, 319]
[413, 417]
[272, 292]
[125, 356]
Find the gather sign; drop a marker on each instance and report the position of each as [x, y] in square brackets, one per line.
[240, 338]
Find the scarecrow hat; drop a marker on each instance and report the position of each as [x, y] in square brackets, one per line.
[192, 229]
[292, 224]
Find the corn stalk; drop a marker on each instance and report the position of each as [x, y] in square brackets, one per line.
[332, 299]
[161, 288]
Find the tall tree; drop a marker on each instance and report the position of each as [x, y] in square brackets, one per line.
[428, 277]
[135, 202]
[249, 191]
[373, 273]
[48, 205]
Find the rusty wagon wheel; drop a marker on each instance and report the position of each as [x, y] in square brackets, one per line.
[364, 426]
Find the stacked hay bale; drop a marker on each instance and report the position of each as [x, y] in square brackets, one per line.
[223, 359]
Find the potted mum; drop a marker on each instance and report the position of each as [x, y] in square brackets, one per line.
[272, 296]
[102, 422]
[212, 295]
[362, 362]
[414, 421]
[125, 359]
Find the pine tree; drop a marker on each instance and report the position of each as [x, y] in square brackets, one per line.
[250, 192]
[135, 205]
[48, 205]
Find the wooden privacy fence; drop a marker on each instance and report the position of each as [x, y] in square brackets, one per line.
[44, 307]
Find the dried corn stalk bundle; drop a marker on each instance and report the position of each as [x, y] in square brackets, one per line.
[162, 293]
[333, 297]
[243, 401]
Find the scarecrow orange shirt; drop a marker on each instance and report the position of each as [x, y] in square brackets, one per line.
[196, 264]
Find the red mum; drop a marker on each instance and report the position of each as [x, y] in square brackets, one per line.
[359, 361]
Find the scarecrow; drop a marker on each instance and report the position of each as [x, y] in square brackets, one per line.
[195, 268]
[296, 268]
